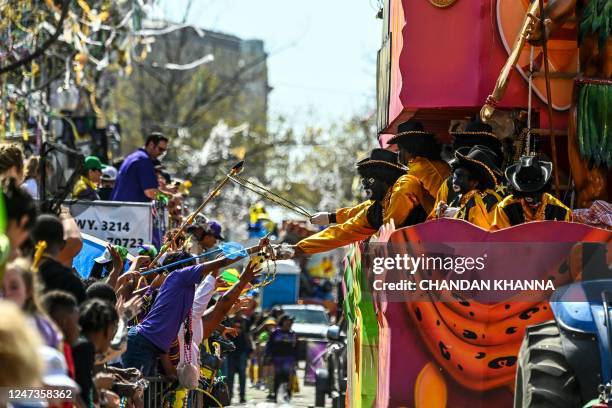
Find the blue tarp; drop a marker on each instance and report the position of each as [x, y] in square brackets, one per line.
[92, 248]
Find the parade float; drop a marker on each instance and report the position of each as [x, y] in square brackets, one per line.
[439, 63]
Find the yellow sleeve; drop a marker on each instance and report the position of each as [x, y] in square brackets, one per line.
[405, 196]
[346, 213]
[479, 215]
[442, 196]
[79, 187]
[550, 199]
[339, 235]
[500, 219]
[434, 179]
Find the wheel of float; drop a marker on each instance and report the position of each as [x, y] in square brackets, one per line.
[544, 378]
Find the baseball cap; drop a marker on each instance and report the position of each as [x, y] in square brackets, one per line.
[148, 250]
[209, 227]
[106, 256]
[109, 173]
[55, 369]
[93, 163]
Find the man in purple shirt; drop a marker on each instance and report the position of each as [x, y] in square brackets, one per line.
[136, 180]
[155, 334]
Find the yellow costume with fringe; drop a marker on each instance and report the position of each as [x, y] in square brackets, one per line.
[513, 211]
[406, 203]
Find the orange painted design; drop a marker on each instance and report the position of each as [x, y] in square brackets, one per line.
[477, 344]
[430, 388]
[562, 52]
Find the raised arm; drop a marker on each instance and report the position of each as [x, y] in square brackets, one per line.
[215, 315]
[225, 261]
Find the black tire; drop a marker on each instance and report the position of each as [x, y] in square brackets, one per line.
[544, 378]
[319, 398]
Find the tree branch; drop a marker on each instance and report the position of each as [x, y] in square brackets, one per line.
[39, 51]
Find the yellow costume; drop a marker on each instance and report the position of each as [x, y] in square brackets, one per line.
[344, 214]
[513, 211]
[407, 203]
[478, 207]
[84, 189]
[418, 187]
[446, 194]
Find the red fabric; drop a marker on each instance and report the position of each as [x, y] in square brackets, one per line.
[69, 359]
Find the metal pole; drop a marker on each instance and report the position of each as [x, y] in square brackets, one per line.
[553, 142]
[237, 168]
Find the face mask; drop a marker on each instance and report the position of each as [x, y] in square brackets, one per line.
[462, 183]
[374, 188]
[533, 200]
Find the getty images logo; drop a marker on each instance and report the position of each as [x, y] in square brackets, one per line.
[413, 264]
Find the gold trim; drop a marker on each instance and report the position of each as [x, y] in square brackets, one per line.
[442, 3]
[414, 132]
[491, 173]
[482, 133]
[394, 138]
[402, 168]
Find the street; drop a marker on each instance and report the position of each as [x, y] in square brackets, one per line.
[304, 399]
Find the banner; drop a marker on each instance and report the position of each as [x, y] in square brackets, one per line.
[120, 223]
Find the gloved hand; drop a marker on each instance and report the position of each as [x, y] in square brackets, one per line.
[450, 212]
[320, 218]
[440, 209]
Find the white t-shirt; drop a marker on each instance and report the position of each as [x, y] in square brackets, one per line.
[204, 292]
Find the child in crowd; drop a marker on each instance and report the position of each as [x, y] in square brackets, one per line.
[62, 307]
[19, 287]
[99, 321]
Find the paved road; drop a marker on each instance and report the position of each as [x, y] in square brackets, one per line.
[257, 399]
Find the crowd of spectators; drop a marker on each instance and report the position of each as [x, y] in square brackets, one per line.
[102, 336]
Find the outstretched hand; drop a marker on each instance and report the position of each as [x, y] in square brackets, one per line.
[264, 242]
[129, 308]
[229, 332]
[252, 268]
[140, 262]
[116, 259]
[320, 218]
[242, 305]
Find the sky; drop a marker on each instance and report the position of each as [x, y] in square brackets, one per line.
[322, 53]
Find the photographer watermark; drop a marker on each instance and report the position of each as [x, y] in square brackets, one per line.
[485, 272]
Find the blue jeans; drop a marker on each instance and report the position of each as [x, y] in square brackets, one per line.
[140, 353]
[236, 364]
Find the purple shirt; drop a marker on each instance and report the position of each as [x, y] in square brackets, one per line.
[137, 174]
[171, 306]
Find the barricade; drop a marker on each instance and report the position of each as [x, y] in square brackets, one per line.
[160, 386]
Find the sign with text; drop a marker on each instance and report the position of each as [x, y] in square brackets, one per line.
[119, 223]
